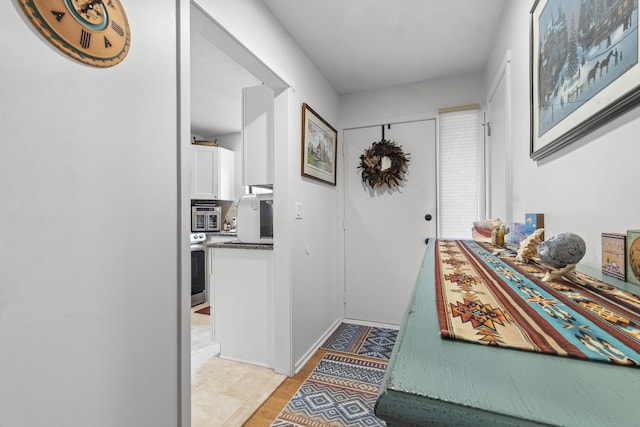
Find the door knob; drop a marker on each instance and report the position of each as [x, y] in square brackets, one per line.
[428, 217]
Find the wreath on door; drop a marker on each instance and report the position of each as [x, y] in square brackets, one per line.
[384, 163]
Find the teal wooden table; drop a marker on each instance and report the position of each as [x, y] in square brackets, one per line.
[433, 381]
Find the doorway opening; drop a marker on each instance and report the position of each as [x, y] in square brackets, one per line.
[213, 75]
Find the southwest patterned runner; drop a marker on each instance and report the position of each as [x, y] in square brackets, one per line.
[497, 301]
[362, 340]
[343, 387]
[341, 391]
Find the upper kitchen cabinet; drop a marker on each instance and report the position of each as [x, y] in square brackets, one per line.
[257, 136]
[212, 175]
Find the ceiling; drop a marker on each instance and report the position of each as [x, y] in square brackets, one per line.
[356, 44]
[216, 82]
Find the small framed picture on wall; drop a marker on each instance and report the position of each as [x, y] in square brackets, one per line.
[319, 147]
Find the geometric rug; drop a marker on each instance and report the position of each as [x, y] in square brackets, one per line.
[498, 301]
[341, 391]
[206, 310]
[362, 340]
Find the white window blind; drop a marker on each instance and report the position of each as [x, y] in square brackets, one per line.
[459, 172]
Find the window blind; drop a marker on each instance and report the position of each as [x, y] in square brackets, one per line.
[459, 171]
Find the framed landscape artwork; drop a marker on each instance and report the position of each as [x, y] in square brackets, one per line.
[584, 68]
[319, 147]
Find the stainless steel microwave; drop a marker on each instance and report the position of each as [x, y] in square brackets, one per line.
[205, 218]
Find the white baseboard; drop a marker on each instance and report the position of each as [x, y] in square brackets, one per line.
[235, 359]
[373, 324]
[311, 351]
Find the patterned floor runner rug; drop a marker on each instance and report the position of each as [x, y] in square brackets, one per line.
[206, 310]
[341, 391]
[362, 340]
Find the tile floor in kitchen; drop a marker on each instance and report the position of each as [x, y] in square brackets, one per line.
[223, 392]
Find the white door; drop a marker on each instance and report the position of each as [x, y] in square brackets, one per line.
[385, 232]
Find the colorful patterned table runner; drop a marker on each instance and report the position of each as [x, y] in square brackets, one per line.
[496, 301]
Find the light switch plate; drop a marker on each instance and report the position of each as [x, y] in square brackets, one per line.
[298, 210]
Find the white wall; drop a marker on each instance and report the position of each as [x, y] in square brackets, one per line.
[88, 226]
[424, 98]
[313, 279]
[586, 188]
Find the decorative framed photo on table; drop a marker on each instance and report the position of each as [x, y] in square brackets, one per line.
[319, 147]
[584, 68]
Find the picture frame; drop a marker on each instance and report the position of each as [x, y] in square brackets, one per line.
[614, 255]
[584, 68]
[319, 147]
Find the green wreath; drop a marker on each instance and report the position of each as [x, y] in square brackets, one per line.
[384, 163]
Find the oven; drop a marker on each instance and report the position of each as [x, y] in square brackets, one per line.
[198, 268]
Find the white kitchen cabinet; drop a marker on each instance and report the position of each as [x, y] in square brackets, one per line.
[242, 307]
[257, 136]
[212, 176]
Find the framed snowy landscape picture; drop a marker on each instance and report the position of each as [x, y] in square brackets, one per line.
[584, 68]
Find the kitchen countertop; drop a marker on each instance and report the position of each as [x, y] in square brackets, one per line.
[236, 244]
[224, 233]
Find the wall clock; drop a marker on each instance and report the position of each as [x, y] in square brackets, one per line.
[95, 32]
